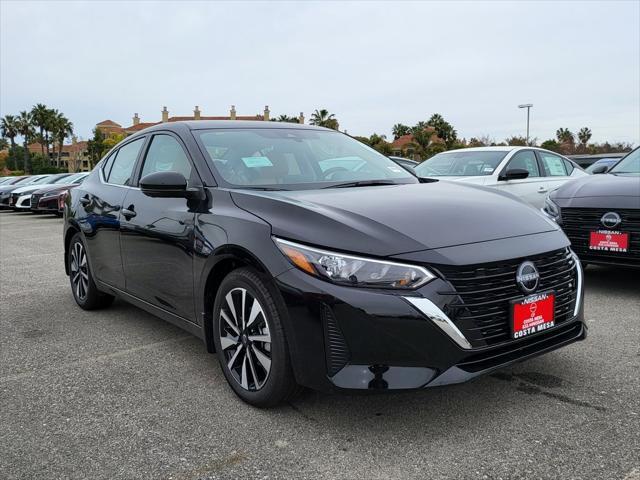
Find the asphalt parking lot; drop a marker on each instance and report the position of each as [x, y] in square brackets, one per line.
[121, 394]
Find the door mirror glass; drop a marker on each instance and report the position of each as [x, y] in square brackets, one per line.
[514, 174]
[164, 184]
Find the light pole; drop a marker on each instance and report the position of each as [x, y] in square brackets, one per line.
[528, 107]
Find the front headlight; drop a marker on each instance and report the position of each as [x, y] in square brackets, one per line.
[353, 271]
[551, 209]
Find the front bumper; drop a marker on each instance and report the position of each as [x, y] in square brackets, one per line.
[45, 204]
[22, 202]
[343, 338]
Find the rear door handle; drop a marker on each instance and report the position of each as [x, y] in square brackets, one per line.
[542, 190]
[128, 213]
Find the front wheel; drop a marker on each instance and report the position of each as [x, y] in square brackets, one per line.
[250, 341]
[83, 287]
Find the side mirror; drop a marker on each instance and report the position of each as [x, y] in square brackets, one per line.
[600, 169]
[514, 174]
[164, 185]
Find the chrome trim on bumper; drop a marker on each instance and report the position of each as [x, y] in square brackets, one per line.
[580, 282]
[430, 310]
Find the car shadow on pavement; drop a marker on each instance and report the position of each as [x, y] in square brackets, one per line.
[614, 279]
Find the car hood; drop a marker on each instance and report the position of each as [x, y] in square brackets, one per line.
[8, 188]
[54, 188]
[602, 185]
[393, 219]
[28, 189]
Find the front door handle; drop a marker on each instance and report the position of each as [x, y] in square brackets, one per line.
[85, 200]
[542, 190]
[128, 213]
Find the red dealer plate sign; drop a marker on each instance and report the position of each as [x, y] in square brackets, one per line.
[532, 315]
[609, 241]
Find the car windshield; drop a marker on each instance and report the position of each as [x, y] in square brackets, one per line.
[461, 163]
[285, 158]
[39, 180]
[628, 165]
[64, 179]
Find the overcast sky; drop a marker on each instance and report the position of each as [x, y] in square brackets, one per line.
[372, 64]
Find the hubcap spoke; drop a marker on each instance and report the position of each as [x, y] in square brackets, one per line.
[229, 322]
[256, 380]
[262, 358]
[227, 342]
[243, 379]
[234, 357]
[256, 310]
[260, 338]
[79, 271]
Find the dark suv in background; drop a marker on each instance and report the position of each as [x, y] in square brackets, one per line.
[297, 254]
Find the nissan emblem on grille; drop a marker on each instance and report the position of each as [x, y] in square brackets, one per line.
[527, 277]
[611, 220]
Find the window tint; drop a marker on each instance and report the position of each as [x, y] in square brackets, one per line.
[553, 165]
[166, 155]
[525, 160]
[569, 166]
[123, 164]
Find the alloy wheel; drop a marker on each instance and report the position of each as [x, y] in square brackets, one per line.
[245, 339]
[79, 271]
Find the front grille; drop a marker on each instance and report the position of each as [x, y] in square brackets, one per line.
[336, 351]
[483, 294]
[578, 223]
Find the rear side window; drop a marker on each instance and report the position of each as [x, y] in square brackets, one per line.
[553, 165]
[165, 154]
[123, 163]
[569, 166]
[525, 160]
[106, 167]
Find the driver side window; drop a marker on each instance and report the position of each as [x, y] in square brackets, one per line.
[165, 154]
[525, 160]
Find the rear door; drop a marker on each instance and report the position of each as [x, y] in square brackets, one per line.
[554, 168]
[157, 233]
[532, 189]
[100, 212]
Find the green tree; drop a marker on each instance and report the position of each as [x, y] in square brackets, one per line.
[41, 119]
[4, 144]
[61, 128]
[421, 140]
[443, 129]
[399, 130]
[551, 144]
[323, 118]
[9, 129]
[286, 118]
[564, 135]
[516, 141]
[584, 135]
[26, 130]
[96, 147]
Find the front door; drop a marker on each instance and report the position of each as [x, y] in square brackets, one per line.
[532, 189]
[157, 235]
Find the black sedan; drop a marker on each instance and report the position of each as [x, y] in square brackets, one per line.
[296, 254]
[601, 214]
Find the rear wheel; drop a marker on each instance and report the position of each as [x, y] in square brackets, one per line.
[83, 287]
[250, 342]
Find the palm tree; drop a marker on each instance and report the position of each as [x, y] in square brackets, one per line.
[25, 129]
[61, 129]
[9, 129]
[286, 118]
[584, 135]
[40, 116]
[399, 130]
[323, 118]
[564, 135]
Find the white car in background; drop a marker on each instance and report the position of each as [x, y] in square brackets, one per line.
[530, 173]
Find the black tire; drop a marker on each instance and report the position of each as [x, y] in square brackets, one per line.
[83, 288]
[279, 384]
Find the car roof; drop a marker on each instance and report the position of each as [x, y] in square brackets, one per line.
[228, 124]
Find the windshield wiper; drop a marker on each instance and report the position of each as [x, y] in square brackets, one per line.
[363, 183]
[267, 189]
